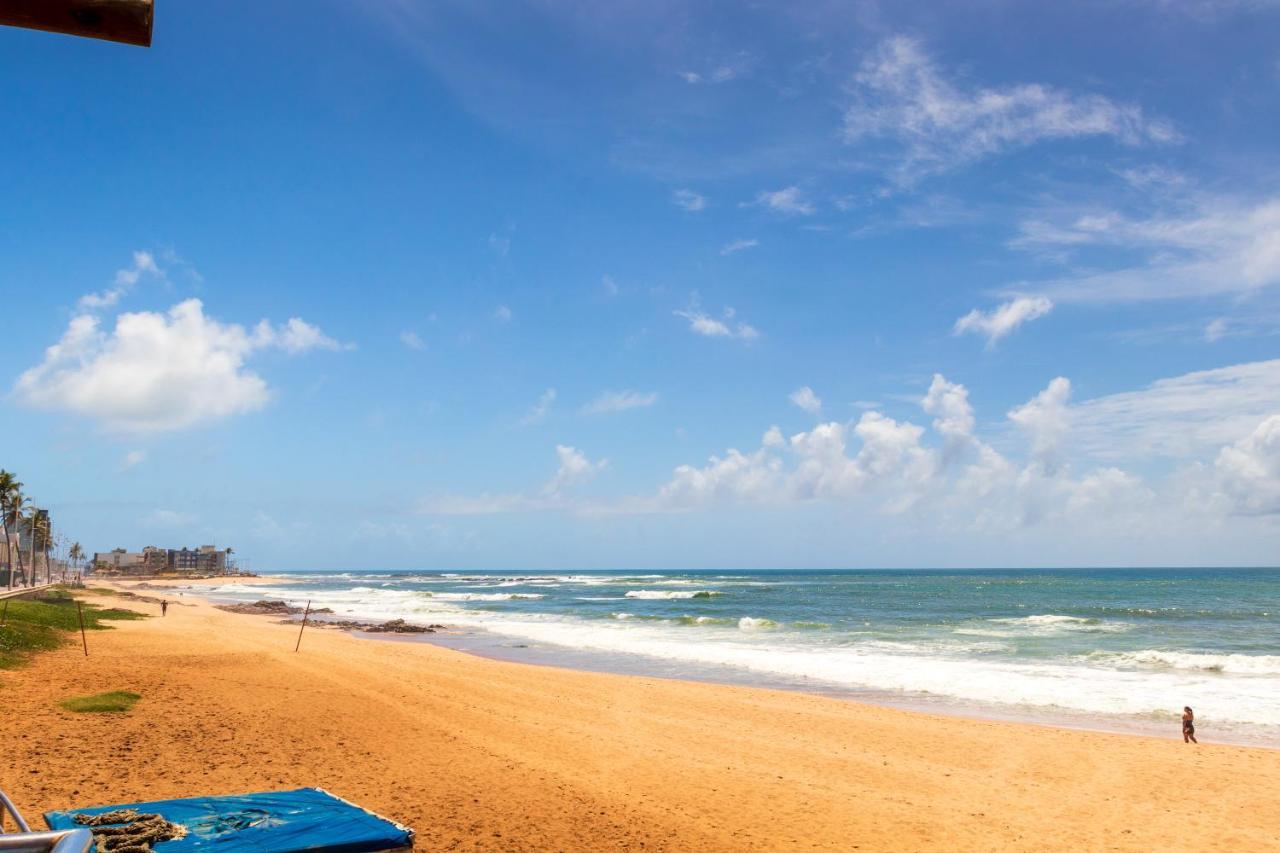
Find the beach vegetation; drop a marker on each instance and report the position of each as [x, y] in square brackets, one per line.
[46, 621]
[114, 701]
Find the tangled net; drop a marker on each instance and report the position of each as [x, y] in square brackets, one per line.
[128, 831]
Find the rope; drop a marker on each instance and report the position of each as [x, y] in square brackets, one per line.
[135, 833]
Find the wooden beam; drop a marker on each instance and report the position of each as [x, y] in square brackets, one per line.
[127, 21]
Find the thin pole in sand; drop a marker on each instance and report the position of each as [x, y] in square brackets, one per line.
[305, 614]
[83, 639]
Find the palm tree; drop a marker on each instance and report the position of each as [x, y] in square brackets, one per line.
[15, 515]
[76, 554]
[9, 487]
[42, 532]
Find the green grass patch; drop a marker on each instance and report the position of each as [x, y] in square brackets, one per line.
[44, 622]
[113, 702]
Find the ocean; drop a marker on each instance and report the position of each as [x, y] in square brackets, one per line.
[1114, 649]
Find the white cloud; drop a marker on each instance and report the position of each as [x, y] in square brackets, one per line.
[540, 409]
[575, 469]
[689, 200]
[1004, 318]
[1215, 330]
[789, 201]
[157, 372]
[1178, 417]
[412, 341]
[1249, 470]
[132, 459]
[738, 246]
[1046, 421]
[144, 265]
[949, 403]
[1206, 247]
[503, 314]
[500, 244]
[619, 401]
[936, 124]
[610, 286]
[168, 518]
[708, 326]
[806, 399]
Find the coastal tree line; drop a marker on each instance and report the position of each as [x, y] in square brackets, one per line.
[19, 513]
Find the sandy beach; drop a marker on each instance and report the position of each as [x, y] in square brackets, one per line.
[477, 754]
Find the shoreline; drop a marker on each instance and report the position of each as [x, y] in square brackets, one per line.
[500, 647]
[478, 754]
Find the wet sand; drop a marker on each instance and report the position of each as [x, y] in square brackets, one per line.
[478, 754]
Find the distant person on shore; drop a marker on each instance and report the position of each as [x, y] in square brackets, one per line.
[164, 611]
[1188, 725]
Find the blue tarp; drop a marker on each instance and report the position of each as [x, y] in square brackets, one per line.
[277, 822]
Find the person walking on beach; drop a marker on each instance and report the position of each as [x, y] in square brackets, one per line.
[164, 611]
[1188, 725]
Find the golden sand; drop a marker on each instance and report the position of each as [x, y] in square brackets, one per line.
[477, 754]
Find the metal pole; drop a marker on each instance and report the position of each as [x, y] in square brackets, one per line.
[305, 614]
[83, 639]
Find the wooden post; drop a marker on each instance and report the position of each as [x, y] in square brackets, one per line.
[4, 617]
[305, 614]
[83, 639]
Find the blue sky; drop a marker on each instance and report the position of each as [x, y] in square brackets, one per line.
[546, 284]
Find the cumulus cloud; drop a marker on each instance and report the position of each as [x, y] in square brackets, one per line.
[619, 401]
[789, 201]
[935, 124]
[575, 469]
[1249, 470]
[1045, 420]
[160, 371]
[806, 399]
[948, 402]
[738, 246]
[689, 200]
[1004, 318]
[701, 323]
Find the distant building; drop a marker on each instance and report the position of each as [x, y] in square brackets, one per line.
[205, 560]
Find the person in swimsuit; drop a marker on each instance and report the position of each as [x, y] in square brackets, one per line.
[1188, 725]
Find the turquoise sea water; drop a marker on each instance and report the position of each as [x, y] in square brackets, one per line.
[1115, 648]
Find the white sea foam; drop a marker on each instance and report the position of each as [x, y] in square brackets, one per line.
[485, 596]
[748, 623]
[1234, 664]
[657, 594]
[1048, 623]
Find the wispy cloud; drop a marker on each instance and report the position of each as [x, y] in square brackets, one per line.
[133, 459]
[738, 246]
[503, 314]
[934, 124]
[788, 201]
[541, 408]
[689, 200]
[619, 401]
[412, 341]
[1004, 318]
[704, 324]
[143, 266]
[1210, 246]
